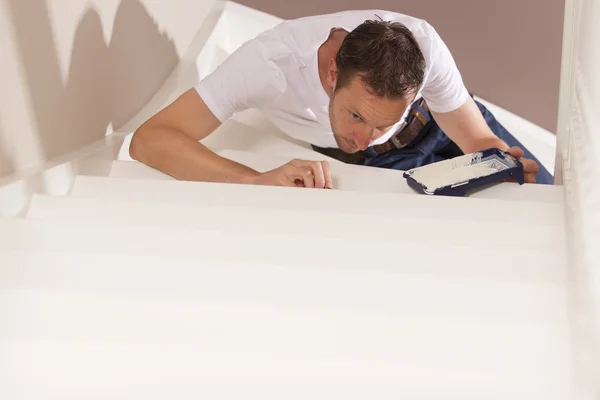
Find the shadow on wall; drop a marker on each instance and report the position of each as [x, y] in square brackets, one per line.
[107, 83]
[7, 166]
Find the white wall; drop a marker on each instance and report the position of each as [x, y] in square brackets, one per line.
[72, 70]
[578, 167]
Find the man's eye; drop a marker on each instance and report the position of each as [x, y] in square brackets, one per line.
[356, 117]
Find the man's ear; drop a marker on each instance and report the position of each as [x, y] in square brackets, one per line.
[332, 73]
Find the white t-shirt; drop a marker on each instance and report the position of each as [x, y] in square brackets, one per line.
[277, 73]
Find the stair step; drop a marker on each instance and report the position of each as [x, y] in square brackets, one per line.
[254, 346]
[351, 177]
[434, 207]
[342, 174]
[395, 227]
[168, 317]
[372, 289]
[181, 370]
[423, 253]
[345, 177]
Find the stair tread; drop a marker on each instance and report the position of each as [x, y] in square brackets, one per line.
[174, 369]
[524, 212]
[425, 254]
[451, 229]
[351, 177]
[243, 335]
[411, 293]
[187, 314]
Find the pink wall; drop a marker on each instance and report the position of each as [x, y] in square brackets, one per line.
[509, 51]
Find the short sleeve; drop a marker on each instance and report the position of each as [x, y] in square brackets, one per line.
[246, 79]
[443, 89]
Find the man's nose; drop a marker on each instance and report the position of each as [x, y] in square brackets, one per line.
[363, 139]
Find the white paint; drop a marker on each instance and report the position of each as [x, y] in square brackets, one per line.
[296, 199]
[169, 295]
[332, 223]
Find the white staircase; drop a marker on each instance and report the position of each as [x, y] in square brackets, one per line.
[198, 289]
[134, 285]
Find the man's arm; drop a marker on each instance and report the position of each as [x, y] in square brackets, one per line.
[461, 119]
[468, 129]
[169, 142]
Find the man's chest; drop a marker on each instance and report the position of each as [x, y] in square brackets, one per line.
[303, 106]
[300, 117]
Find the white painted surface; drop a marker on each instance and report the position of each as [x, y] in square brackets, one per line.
[345, 177]
[579, 170]
[131, 323]
[307, 199]
[244, 244]
[353, 178]
[331, 223]
[233, 307]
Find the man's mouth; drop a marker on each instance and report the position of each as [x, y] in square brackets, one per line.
[346, 145]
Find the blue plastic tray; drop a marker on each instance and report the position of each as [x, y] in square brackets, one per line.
[501, 165]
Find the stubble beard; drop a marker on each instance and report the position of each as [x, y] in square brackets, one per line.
[338, 138]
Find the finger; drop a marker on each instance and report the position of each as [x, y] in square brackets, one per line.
[309, 178]
[292, 173]
[530, 166]
[317, 171]
[302, 174]
[327, 175]
[319, 174]
[530, 169]
[530, 178]
[516, 152]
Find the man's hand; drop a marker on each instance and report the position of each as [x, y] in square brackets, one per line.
[301, 173]
[530, 167]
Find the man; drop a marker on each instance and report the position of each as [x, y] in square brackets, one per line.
[372, 88]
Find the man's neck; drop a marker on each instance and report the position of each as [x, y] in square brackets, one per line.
[327, 52]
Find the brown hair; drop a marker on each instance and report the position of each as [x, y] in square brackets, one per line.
[385, 55]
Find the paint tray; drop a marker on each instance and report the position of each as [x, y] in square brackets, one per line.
[457, 176]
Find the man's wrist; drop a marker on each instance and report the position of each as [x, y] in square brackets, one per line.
[490, 143]
[250, 178]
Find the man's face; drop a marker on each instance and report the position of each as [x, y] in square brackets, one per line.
[359, 117]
